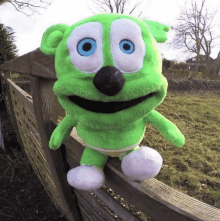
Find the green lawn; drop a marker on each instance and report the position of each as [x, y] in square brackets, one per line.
[193, 169]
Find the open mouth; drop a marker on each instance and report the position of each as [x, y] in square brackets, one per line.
[107, 107]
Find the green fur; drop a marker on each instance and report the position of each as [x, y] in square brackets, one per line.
[121, 129]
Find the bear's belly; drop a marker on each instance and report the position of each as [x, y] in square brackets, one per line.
[109, 140]
[115, 153]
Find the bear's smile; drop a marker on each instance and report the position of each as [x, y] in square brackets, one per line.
[107, 107]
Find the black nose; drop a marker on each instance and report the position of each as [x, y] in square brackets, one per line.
[109, 80]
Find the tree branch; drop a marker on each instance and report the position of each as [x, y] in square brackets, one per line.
[110, 6]
[117, 5]
[20, 6]
[133, 9]
[194, 30]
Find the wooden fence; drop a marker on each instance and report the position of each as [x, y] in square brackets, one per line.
[185, 74]
[35, 116]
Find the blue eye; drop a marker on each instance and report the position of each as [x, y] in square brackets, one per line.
[126, 46]
[86, 47]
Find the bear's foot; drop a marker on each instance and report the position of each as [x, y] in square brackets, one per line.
[86, 177]
[142, 164]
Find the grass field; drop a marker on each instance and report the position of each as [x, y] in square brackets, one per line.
[193, 169]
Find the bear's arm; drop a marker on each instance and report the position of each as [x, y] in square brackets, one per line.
[168, 129]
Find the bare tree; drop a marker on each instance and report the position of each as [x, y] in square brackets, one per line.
[116, 6]
[195, 32]
[27, 5]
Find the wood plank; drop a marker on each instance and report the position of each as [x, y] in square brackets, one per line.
[21, 82]
[85, 211]
[88, 212]
[10, 111]
[20, 64]
[54, 157]
[130, 191]
[43, 72]
[26, 120]
[18, 110]
[2, 85]
[24, 96]
[2, 145]
[6, 100]
[38, 146]
[75, 147]
[101, 193]
[43, 65]
[23, 106]
[89, 197]
[153, 197]
[115, 206]
[50, 102]
[42, 171]
[39, 156]
[92, 206]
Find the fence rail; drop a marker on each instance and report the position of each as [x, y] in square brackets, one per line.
[185, 74]
[35, 117]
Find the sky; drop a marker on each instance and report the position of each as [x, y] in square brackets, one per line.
[29, 30]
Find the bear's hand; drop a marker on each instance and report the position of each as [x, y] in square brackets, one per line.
[58, 137]
[168, 129]
[175, 137]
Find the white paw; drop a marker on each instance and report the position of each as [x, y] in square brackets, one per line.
[142, 164]
[86, 177]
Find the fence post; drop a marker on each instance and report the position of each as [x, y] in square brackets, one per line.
[1, 84]
[10, 110]
[54, 157]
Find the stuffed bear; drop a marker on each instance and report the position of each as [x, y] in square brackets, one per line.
[109, 81]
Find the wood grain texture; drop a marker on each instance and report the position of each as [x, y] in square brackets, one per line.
[43, 65]
[153, 197]
[25, 107]
[54, 157]
[85, 210]
[30, 139]
[114, 205]
[2, 96]
[22, 95]
[7, 97]
[19, 65]
[10, 110]
[91, 205]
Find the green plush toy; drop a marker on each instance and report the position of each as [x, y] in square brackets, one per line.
[109, 82]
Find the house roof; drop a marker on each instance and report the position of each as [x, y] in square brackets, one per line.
[203, 58]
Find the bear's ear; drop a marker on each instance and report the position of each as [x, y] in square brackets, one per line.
[158, 30]
[51, 38]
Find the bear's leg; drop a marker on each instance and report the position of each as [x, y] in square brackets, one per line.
[129, 151]
[89, 175]
[93, 157]
[141, 163]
